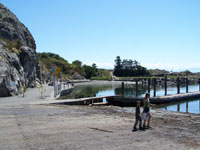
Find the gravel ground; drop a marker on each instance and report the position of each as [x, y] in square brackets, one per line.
[26, 126]
[93, 128]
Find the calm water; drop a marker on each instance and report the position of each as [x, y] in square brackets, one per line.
[114, 88]
[187, 106]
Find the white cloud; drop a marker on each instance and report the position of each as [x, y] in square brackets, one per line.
[172, 66]
[158, 65]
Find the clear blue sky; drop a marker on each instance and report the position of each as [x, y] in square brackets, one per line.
[157, 33]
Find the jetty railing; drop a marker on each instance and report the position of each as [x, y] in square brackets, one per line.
[59, 86]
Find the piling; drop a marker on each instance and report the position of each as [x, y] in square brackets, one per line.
[178, 85]
[149, 85]
[186, 106]
[186, 82]
[199, 84]
[122, 89]
[154, 87]
[178, 107]
[136, 87]
[199, 104]
[165, 85]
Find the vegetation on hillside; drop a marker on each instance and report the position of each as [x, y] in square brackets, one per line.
[124, 69]
[1, 17]
[158, 72]
[13, 46]
[130, 69]
[74, 70]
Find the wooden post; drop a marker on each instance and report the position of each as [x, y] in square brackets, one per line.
[149, 85]
[186, 106]
[178, 107]
[136, 87]
[186, 85]
[122, 89]
[165, 85]
[154, 87]
[199, 105]
[178, 85]
[199, 84]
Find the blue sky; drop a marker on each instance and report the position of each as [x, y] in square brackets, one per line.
[161, 34]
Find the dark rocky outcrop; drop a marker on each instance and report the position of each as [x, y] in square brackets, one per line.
[18, 61]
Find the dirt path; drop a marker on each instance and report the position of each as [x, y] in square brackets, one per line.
[93, 128]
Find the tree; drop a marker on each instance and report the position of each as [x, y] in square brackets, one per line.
[187, 72]
[136, 63]
[129, 67]
[77, 63]
[89, 71]
[94, 65]
[118, 66]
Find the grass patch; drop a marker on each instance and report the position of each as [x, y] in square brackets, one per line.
[13, 46]
[102, 78]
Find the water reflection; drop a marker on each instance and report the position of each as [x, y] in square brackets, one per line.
[192, 106]
[93, 90]
[113, 88]
[130, 91]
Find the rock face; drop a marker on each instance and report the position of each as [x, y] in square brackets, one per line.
[18, 62]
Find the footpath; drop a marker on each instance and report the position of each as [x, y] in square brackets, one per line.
[32, 95]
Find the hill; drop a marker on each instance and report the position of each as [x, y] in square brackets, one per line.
[75, 70]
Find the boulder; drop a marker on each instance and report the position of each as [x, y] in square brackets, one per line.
[18, 60]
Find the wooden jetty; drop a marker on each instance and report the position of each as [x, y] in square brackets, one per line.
[127, 101]
[84, 101]
[122, 100]
[152, 83]
[131, 101]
